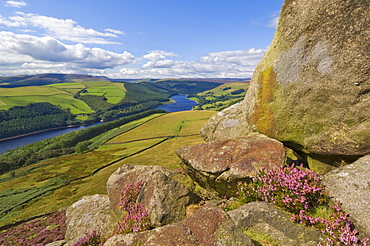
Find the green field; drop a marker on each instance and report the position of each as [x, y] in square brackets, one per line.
[62, 95]
[32, 181]
[22, 96]
[220, 97]
[113, 93]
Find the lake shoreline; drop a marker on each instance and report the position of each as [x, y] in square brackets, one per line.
[181, 103]
[45, 130]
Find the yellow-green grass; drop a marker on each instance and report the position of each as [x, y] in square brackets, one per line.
[75, 85]
[82, 117]
[2, 103]
[61, 94]
[261, 239]
[222, 90]
[63, 100]
[89, 84]
[33, 94]
[166, 125]
[219, 90]
[120, 130]
[112, 93]
[163, 154]
[65, 168]
[71, 88]
[126, 149]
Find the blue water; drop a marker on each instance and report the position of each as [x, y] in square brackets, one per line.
[181, 104]
[18, 142]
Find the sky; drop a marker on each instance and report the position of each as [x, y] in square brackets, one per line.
[132, 39]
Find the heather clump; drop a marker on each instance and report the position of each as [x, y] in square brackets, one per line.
[90, 239]
[134, 215]
[292, 188]
[37, 232]
[337, 227]
[300, 191]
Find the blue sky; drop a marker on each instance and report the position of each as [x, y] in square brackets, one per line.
[136, 38]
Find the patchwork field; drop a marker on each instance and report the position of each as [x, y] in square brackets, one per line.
[62, 94]
[222, 96]
[46, 186]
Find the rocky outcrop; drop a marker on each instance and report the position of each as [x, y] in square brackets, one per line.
[164, 198]
[221, 164]
[311, 89]
[227, 124]
[351, 186]
[88, 214]
[206, 227]
[270, 220]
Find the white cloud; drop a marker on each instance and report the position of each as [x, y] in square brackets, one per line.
[118, 32]
[15, 4]
[274, 20]
[63, 29]
[226, 64]
[238, 57]
[28, 54]
[158, 58]
[49, 53]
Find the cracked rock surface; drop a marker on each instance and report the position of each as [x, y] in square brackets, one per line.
[221, 164]
[164, 198]
[350, 185]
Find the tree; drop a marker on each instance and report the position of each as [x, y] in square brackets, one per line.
[82, 147]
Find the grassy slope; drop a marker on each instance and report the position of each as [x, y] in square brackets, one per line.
[219, 91]
[58, 171]
[62, 94]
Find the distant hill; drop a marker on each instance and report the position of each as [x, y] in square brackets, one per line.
[45, 79]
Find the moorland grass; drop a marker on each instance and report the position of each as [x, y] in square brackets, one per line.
[56, 171]
[219, 90]
[96, 141]
[221, 96]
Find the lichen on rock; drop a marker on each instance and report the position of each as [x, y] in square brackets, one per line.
[311, 88]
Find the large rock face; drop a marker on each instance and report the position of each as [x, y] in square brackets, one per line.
[207, 227]
[164, 198]
[351, 186]
[311, 89]
[221, 164]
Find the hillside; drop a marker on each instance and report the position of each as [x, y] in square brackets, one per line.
[85, 99]
[148, 141]
[44, 79]
[222, 96]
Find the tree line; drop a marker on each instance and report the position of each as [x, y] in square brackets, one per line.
[33, 117]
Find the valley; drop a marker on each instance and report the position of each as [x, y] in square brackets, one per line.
[49, 185]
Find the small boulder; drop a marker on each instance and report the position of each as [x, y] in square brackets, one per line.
[221, 164]
[270, 220]
[350, 185]
[206, 227]
[88, 214]
[229, 123]
[164, 198]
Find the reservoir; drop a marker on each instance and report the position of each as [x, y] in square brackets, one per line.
[181, 104]
[18, 142]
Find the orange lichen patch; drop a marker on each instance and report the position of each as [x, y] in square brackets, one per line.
[262, 116]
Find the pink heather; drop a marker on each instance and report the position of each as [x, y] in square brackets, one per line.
[135, 217]
[298, 190]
